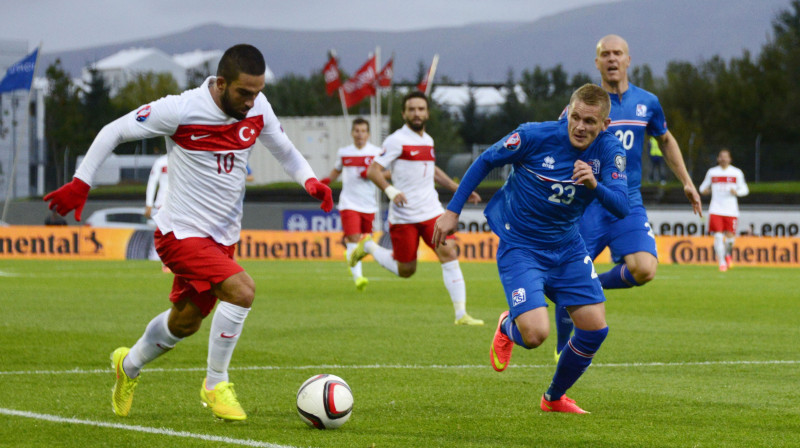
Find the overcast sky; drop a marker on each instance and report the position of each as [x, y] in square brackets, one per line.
[66, 25]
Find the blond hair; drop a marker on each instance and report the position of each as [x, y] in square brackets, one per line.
[592, 95]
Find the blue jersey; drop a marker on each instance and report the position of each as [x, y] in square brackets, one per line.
[633, 114]
[540, 204]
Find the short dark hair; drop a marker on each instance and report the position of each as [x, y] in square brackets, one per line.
[241, 58]
[358, 121]
[415, 94]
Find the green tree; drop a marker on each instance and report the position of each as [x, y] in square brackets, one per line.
[64, 125]
[144, 88]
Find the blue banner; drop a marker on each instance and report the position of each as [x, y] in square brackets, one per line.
[20, 75]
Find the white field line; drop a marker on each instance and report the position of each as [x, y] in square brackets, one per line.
[137, 428]
[322, 367]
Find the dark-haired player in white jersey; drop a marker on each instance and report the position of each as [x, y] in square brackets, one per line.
[212, 130]
[409, 153]
[358, 201]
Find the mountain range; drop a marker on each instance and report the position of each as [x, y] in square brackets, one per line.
[658, 31]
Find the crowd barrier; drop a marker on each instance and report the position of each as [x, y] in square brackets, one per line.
[91, 243]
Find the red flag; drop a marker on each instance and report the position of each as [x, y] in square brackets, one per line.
[428, 79]
[331, 74]
[386, 74]
[361, 85]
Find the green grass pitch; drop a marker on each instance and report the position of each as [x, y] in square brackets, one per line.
[697, 358]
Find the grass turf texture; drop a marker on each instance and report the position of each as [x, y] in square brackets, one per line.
[418, 380]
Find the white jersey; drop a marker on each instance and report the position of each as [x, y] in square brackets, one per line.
[157, 184]
[358, 193]
[412, 160]
[727, 184]
[207, 162]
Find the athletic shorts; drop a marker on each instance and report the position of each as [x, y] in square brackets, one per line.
[631, 234]
[565, 275]
[356, 223]
[196, 263]
[405, 239]
[719, 223]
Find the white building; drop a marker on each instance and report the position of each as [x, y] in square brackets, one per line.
[122, 67]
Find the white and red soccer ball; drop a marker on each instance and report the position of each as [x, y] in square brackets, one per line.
[324, 401]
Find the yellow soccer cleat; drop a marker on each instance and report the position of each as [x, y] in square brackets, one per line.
[122, 392]
[222, 402]
[358, 253]
[361, 283]
[466, 319]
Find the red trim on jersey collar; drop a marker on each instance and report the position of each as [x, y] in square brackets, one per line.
[418, 153]
[226, 137]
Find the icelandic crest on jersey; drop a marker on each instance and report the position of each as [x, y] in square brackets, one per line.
[641, 110]
[595, 164]
[518, 296]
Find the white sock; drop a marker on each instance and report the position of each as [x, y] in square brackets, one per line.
[155, 341]
[719, 247]
[729, 245]
[226, 327]
[383, 256]
[454, 282]
[356, 270]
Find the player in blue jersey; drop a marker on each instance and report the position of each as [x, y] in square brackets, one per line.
[634, 113]
[558, 169]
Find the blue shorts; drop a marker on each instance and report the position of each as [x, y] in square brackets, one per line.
[631, 234]
[565, 275]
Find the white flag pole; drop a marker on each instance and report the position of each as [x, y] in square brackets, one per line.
[12, 179]
[431, 74]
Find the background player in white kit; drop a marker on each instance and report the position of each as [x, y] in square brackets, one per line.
[212, 130]
[358, 200]
[415, 206]
[156, 193]
[725, 183]
[157, 186]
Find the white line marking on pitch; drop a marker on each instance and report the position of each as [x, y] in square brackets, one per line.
[8, 274]
[77, 371]
[137, 428]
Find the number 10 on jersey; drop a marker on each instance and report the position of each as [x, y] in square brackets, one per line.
[225, 162]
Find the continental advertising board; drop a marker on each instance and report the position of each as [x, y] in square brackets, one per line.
[90, 243]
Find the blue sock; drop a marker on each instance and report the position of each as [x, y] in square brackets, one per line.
[575, 359]
[509, 328]
[618, 277]
[563, 327]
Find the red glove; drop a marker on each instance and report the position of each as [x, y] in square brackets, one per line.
[322, 192]
[326, 181]
[69, 197]
[363, 173]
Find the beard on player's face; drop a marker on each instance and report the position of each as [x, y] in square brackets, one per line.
[229, 108]
[416, 124]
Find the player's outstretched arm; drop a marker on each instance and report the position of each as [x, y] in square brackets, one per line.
[674, 158]
[318, 190]
[375, 173]
[441, 178]
[71, 196]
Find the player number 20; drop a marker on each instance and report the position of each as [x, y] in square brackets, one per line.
[626, 138]
[563, 195]
[225, 162]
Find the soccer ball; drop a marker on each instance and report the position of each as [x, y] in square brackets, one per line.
[324, 401]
